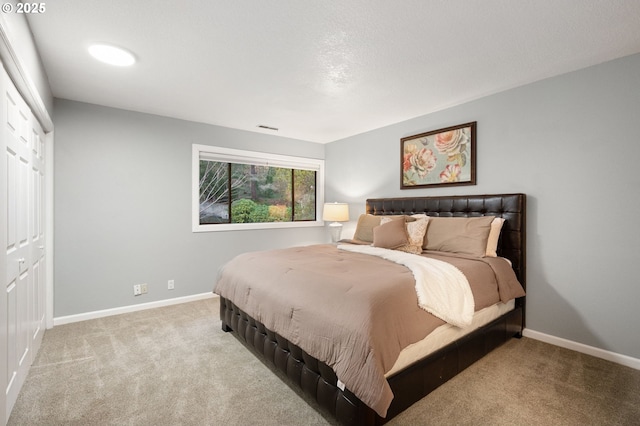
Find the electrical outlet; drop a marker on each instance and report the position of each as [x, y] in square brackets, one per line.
[143, 288]
[137, 291]
[170, 285]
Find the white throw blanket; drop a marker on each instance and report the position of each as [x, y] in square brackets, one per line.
[442, 289]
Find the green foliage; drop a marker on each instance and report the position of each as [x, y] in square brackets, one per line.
[248, 211]
[242, 210]
[305, 194]
[263, 194]
[260, 214]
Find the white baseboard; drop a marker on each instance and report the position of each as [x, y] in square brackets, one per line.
[131, 308]
[585, 349]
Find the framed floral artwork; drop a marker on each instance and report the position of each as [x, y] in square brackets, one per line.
[439, 158]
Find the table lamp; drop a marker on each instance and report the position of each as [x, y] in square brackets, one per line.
[335, 212]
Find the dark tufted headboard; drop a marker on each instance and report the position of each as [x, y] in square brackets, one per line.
[512, 207]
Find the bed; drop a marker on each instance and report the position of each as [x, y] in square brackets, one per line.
[418, 374]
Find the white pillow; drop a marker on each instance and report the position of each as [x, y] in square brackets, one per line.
[494, 236]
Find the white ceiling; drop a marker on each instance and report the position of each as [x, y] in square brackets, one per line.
[321, 70]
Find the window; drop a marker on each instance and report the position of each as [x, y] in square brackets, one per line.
[235, 189]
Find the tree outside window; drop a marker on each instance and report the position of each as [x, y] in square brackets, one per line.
[245, 192]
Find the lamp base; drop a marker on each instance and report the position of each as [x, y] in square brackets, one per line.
[336, 229]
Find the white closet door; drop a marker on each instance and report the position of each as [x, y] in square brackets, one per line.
[37, 218]
[24, 281]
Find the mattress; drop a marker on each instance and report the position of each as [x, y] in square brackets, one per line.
[445, 334]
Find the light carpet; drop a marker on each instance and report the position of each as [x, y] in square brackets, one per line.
[175, 366]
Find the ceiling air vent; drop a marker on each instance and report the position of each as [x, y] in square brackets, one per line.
[262, 126]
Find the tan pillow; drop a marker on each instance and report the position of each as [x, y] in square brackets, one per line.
[494, 237]
[366, 223]
[391, 235]
[364, 228]
[464, 235]
[415, 233]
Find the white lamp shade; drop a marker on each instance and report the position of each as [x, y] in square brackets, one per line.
[336, 212]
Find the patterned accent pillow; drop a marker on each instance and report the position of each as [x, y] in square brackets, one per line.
[415, 231]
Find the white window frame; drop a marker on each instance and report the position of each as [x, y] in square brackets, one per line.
[230, 155]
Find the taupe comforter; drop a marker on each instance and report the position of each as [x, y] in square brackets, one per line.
[353, 311]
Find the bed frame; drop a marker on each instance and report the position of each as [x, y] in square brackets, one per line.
[319, 382]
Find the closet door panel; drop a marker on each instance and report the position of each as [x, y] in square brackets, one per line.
[37, 292]
[23, 279]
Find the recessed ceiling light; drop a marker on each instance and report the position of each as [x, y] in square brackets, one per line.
[112, 55]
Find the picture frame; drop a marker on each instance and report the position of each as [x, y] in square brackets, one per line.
[442, 157]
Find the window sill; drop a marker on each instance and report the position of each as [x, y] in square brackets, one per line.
[221, 227]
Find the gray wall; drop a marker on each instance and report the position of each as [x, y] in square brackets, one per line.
[122, 198]
[571, 144]
[123, 207]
